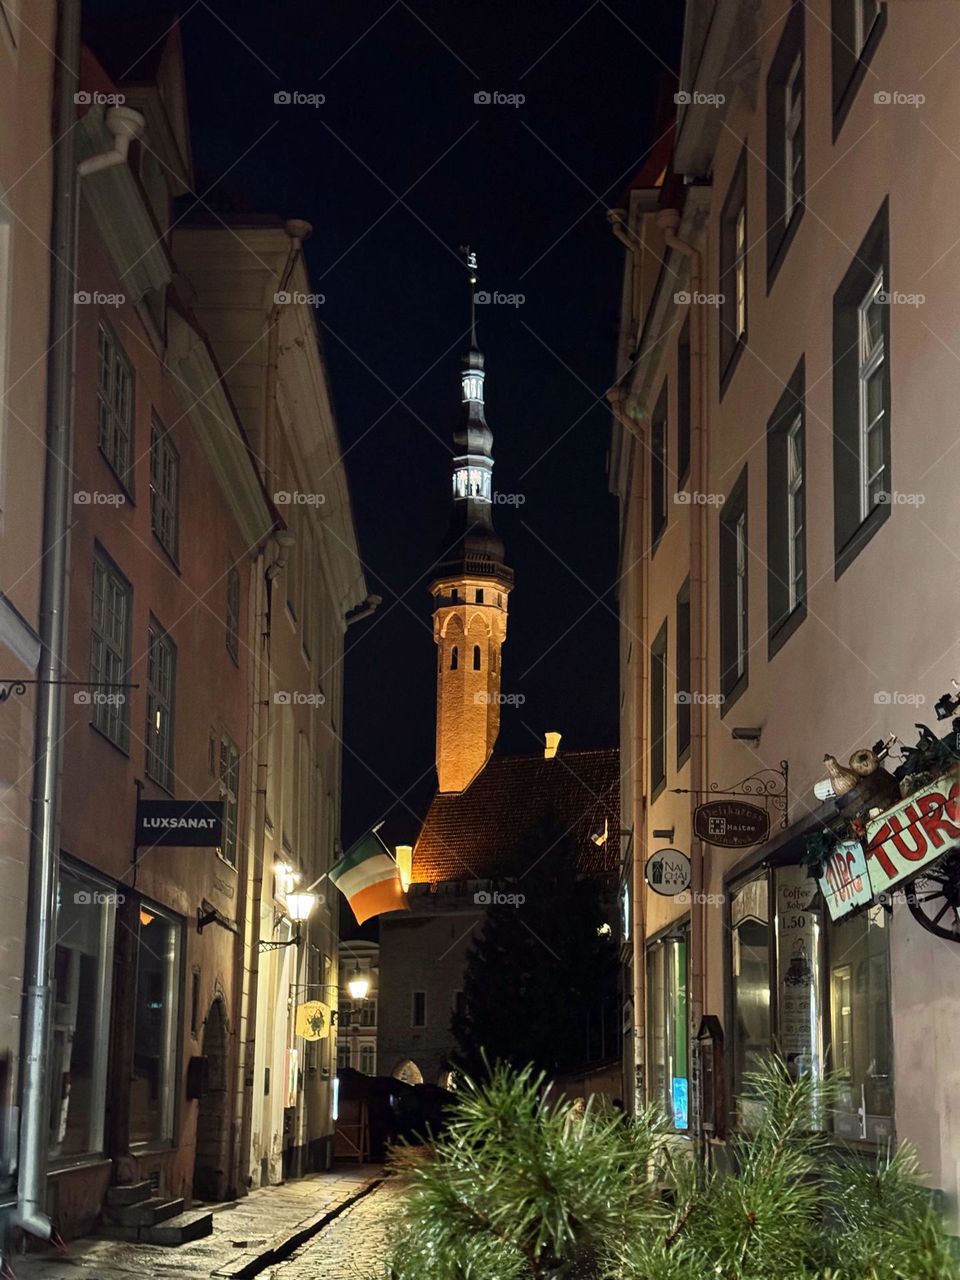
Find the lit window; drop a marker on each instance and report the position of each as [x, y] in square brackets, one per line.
[114, 406]
[161, 676]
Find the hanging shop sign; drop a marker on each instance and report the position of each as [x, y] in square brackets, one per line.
[913, 833]
[313, 1020]
[667, 872]
[845, 884]
[731, 824]
[194, 823]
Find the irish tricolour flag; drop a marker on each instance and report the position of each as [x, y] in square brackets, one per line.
[369, 879]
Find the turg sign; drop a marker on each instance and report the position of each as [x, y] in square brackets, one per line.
[179, 823]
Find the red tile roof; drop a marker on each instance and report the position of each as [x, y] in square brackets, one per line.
[475, 834]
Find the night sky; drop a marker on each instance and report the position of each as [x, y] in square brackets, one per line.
[396, 170]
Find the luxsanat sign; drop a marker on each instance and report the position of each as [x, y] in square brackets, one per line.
[180, 823]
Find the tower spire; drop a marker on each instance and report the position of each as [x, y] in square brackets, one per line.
[470, 586]
[471, 260]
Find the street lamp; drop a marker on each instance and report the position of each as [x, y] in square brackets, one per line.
[299, 908]
[358, 986]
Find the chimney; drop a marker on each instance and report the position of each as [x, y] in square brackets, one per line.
[551, 742]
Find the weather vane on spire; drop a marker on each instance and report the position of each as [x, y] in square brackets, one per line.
[471, 260]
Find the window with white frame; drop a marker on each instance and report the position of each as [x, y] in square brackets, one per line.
[5, 288]
[785, 186]
[164, 488]
[740, 529]
[865, 14]
[115, 406]
[110, 651]
[161, 686]
[368, 1059]
[343, 1055]
[740, 273]
[733, 271]
[230, 794]
[872, 397]
[786, 499]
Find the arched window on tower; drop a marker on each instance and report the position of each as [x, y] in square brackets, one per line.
[476, 657]
[453, 658]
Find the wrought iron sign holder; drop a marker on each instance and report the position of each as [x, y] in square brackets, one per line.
[766, 784]
[11, 686]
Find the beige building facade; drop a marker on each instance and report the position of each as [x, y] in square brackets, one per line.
[781, 449]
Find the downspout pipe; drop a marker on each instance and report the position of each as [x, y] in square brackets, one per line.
[668, 220]
[30, 1214]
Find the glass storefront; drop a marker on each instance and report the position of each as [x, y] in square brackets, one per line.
[815, 992]
[751, 974]
[861, 1048]
[82, 971]
[157, 1025]
[668, 1072]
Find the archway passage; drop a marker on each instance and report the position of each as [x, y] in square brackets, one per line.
[408, 1072]
[210, 1169]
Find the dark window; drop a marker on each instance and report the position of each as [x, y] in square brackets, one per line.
[479, 595]
[454, 593]
[658, 713]
[734, 642]
[115, 407]
[857, 26]
[658, 468]
[786, 517]
[230, 794]
[110, 651]
[733, 272]
[861, 397]
[164, 489]
[419, 1008]
[684, 696]
[233, 611]
[683, 403]
[476, 657]
[785, 140]
[459, 1003]
[161, 697]
[454, 658]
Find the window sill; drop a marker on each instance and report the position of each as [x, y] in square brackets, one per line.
[683, 757]
[781, 633]
[859, 539]
[124, 484]
[779, 253]
[124, 751]
[733, 697]
[730, 368]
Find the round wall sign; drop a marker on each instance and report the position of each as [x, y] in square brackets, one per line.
[668, 872]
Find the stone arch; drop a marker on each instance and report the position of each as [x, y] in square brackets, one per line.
[478, 624]
[211, 1166]
[408, 1072]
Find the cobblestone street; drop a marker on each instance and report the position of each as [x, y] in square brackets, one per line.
[352, 1247]
[244, 1231]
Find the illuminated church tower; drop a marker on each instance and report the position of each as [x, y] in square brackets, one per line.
[470, 590]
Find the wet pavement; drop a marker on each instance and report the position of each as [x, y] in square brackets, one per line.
[246, 1235]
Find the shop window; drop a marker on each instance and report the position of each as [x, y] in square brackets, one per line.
[82, 976]
[861, 1049]
[750, 971]
[798, 925]
[667, 1037]
[153, 1088]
